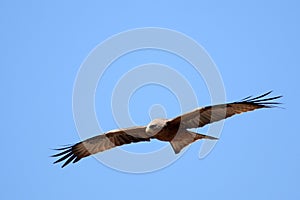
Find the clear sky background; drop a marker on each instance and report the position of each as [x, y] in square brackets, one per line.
[255, 45]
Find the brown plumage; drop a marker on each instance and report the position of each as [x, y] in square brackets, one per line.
[172, 130]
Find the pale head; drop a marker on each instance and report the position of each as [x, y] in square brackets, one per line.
[155, 126]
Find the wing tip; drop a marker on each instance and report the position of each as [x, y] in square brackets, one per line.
[67, 154]
[262, 100]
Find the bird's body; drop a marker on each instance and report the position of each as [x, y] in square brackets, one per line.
[173, 130]
[158, 129]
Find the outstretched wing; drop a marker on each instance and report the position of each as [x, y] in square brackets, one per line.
[101, 143]
[206, 115]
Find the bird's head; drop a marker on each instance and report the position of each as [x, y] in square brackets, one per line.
[155, 126]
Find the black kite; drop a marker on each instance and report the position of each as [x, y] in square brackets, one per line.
[173, 130]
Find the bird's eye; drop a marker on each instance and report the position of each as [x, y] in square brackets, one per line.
[152, 126]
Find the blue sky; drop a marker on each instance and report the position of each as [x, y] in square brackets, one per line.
[255, 46]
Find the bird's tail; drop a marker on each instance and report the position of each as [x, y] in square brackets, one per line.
[184, 138]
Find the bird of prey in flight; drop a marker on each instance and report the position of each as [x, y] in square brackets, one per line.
[175, 131]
